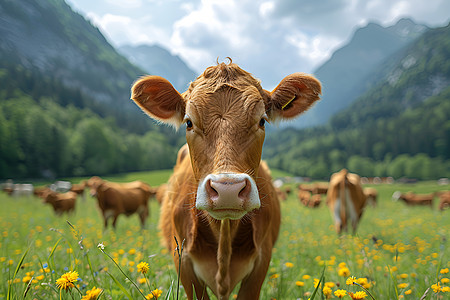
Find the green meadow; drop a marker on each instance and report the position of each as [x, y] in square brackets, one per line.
[399, 252]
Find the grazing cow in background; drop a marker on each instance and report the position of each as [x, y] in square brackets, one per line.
[371, 195]
[413, 199]
[220, 199]
[79, 189]
[315, 188]
[308, 199]
[116, 198]
[346, 200]
[61, 202]
[41, 191]
[444, 199]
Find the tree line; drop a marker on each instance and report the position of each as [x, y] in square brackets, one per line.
[43, 139]
[414, 144]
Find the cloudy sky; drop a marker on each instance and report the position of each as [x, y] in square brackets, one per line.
[269, 38]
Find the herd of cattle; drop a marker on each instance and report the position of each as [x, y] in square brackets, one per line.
[220, 200]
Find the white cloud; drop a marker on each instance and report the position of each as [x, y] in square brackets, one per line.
[268, 38]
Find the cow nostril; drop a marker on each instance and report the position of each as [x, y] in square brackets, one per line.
[213, 194]
[245, 191]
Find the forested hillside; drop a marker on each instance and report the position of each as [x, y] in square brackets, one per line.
[401, 127]
[65, 105]
[347, 74]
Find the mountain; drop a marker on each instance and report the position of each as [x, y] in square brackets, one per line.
[47, 36]
[65, 107]
[158, 61]
[346, 75]
[399, 127]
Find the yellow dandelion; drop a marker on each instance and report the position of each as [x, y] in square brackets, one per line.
[408, 292]
[274, 276]
[66, 280]
[351, 280]
[340, 293]
[143, 267]
[358, 295]
[92, 294]
[403, 276]
[436, 287]
[444, 271]
[299, 283]
[326, 291]
[316, 282]
[342, 265]
[154, 294]
[289, 265]
[142, 280]
[344, 272]
[403, 285]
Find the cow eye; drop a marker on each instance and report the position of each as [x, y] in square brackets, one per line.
[262, 122]
[189, 124]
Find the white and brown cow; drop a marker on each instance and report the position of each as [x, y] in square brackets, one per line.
[220, 199]
[346, 200]
[414, 199]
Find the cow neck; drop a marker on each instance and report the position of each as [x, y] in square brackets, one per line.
[223, 259]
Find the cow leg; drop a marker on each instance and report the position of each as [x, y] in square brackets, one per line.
[143, 216]
[190, 281]
[115, 221]
[251, 285]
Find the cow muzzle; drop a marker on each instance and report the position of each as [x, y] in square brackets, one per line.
[227, 195]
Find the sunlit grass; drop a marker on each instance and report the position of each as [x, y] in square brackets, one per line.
[398, 253]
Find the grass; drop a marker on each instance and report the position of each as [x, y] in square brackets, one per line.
[398, 253]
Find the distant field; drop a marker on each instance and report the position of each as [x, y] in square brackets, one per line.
[400, 250]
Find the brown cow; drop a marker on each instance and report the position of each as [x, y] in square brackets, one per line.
[79, 189]
[61, 202]
[308, 199]
[128, 198]
[371, 195]
[315, 188]
[413, 199]
[444, 199]
[220, 199]
[345, 199]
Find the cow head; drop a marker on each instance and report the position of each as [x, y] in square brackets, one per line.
[225, 110]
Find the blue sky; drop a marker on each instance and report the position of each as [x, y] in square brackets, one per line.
[268, 38]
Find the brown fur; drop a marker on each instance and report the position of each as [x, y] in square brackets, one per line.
[308, 199]
[371, 195]
[128, 198]
[444, 200]
[412, 199]
[315, 188]
[224, 107]
[339, 183]
[61, 202]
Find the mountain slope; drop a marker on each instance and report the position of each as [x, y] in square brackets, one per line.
[65, 107]
[400, 127]
[345, 75]
[158, 61]
[46, 35]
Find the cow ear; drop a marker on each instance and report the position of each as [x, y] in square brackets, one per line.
[293, 95]
[159, 99]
